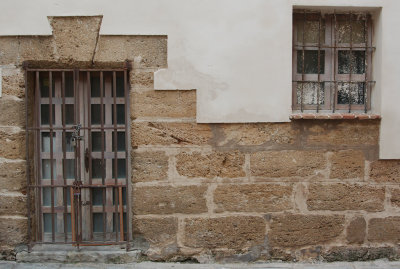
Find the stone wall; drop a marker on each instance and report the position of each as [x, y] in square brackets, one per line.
[304, 190]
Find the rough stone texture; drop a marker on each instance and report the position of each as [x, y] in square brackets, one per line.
[12, 111]
[287, 163]
[384, 230]
[355, 232]
[12, 176]
[337, 197]
[385, 171]
[210, 165]
[75, 37]
[257, 134]
[158, 133]
[237, 232]
[395, 198]
[290, 230]
[169, 200]
[347, 164]
[253, 198]
[39, 48]
[157, 231]
[12, 145]
[343, 133]
[149, 166]
[12, 205]
[13, 231]
[142, 80]
[360, 254]
[8, 50]
[13, 82]
[164, 104]
[146, 51]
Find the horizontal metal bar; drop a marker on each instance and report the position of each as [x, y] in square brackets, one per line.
[71, 128]
[71, 70]
[337, 81]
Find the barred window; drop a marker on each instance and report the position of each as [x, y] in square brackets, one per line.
[332, 62]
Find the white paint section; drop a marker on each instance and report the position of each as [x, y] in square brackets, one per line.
[236, 53]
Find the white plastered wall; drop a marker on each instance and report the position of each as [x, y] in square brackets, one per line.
[236, 53]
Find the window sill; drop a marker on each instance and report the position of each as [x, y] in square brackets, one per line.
[334, 116]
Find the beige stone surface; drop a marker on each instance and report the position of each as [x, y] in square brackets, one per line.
[12, 205]
[344, 133]
[210, 165]
[149, 166]
[13, 82]
[163, 133]
[339, 197]
[261, 198]
[75, 37]
[347, 164]
[300, 230]
[257, 134]
[169, 200]
[385, 171]
[395, 197]
[224, 232]
[13, 231]
[12, 111]
[12, 145]
[384, 230]
[157, 231]
[41, 48]
[142, 80]
[164, 104]
[356, 230]
[287, 163]
[12, 176]
[8, 50]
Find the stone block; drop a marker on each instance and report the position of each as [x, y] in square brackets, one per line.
[8, 50]
[13, 231]
[343, 133]
[164, 104]
[142, 80]
[395, 197]
[262, 198]
[156, 231]
[347, 164]
[12, 205]
[237, 232]
[290, 230]
[12, 176]
[163, 133]
[210, 165]
[13, 82]
[352, 254]
[39, 48]
[12, 111]
[384, 230]
[12, 144]
[256, 134]
[385, 171]
[340, 197]
[287, 163]
[355, 232]
[149, 166]
[169, 200]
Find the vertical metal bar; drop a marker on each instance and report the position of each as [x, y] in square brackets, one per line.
[121, 214]
[27, 164]
[64, 143]
[79, 204]
[303, 65]
[73, 222]
[334, 63]
[351, 58]
[51, 154]
[319, 60]
[366, 63]
[89, 104]
[102, 152]
[38, 156]
[114, 85]
[127, 157]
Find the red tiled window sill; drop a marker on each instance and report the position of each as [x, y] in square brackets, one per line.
[334, 116]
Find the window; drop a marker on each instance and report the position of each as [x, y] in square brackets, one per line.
[81, 155]
[332, 62]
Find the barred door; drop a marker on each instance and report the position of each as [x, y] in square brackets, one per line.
[81, 170]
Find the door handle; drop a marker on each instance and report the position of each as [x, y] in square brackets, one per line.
[87, 160]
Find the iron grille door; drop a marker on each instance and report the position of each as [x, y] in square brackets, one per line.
[81, 171]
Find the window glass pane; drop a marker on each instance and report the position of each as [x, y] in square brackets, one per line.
[355, 31]
[353, 61]
[353, 90]
[120, 114]
[47, 222]
[97, 222]
[120, 84]
[44, 85]
[310, 93]
[116, 199]
[69, 229]
[45, 114]
[68, 145]
[97, 196]
[68, 194]
[46, 142]
[47, 196]
[116, 222]
[69, 115]
[96, 114]
[95, 84]
[69, 84]
[310, 62]
[120, 141]
[310, 31]
[69, 168]
[46, 169]
[96, 141]
[121, 168]
[97, 168]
